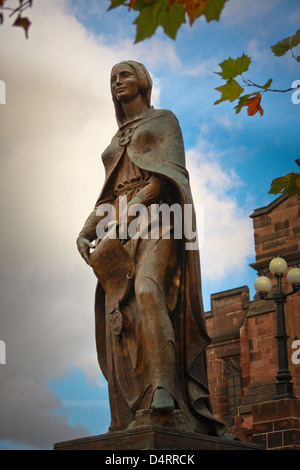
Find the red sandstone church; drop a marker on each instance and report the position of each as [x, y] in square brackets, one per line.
[243, 356]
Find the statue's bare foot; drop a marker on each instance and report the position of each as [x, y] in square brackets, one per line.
[162, 401]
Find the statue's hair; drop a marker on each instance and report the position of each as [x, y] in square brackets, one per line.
[145, 85]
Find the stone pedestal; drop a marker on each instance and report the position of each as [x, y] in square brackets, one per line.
[276, 424]
[156, 432]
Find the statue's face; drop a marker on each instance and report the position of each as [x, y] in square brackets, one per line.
[124, 83]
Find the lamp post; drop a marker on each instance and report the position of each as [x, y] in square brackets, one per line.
[263, 285]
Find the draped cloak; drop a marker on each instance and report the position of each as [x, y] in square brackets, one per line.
[155, 144]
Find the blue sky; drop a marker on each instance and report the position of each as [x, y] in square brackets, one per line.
[57, 120]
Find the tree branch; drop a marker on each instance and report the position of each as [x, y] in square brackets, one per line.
[20, 9]
[249, 82]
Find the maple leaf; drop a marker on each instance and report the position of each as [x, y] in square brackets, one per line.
[132, 3]
[214, 9]
[193, 8]
[288, 184]
[281, 47]
[116, 3]
[230, 91]
[24, 23]
[254, 105]
[231, 68]
[154, 14]
[170, 14]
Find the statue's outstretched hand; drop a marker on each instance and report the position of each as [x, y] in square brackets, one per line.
[84, 246]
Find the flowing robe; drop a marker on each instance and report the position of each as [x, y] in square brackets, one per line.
[164, 336]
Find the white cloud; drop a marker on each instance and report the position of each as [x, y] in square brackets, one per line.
[204, 68]
[228, 238]
[228, 122]
[258, 52]
[239, 13]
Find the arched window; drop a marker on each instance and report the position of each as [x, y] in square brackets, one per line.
[234, 386]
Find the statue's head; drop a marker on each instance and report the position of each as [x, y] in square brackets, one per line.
[143, 82]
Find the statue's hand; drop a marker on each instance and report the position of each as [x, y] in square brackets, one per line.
[84, 246]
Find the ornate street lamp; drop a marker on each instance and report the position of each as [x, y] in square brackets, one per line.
[263, 285]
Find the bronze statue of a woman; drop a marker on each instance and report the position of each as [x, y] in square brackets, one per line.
[150, 327]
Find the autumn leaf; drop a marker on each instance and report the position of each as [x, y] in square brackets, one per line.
[210, 9]
[254, 105]
[241, 103]
[24, 23]
[193, 8]
[132, 3]
[170, 14]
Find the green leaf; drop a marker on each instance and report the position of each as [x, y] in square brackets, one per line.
[268, 83]
[288, 184]
[242, 102]
[116, 3]
[213, 10]
[294, 185]
[281, 47]
[140, 4]
[233, 67]
[230, 91]
[155, 14]
[278, 184]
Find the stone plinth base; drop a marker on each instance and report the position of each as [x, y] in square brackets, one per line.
[276, 424]
[154, 438]
[151, 431]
